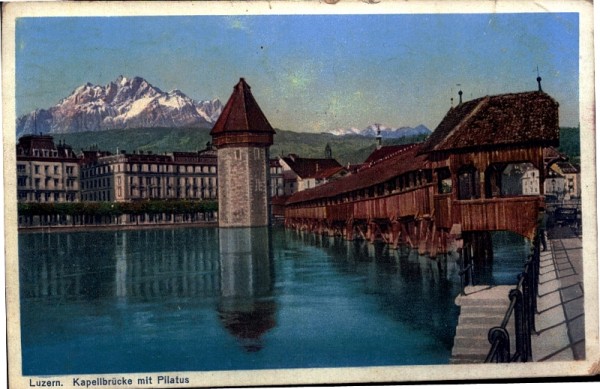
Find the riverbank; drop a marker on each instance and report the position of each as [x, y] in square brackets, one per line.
[109, 227]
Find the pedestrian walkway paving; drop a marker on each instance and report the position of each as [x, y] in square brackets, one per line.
[560, 319]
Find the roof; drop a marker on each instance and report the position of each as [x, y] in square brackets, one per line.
[386, 152]
[241, 113]
[409, 160]
[45, 146]
[567, 168]
[308, 167]
[509, 119]
[327, 173]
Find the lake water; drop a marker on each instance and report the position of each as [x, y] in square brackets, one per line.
[198, 299]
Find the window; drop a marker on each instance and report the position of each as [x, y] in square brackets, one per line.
[468, 183]
[21, 168]
[36, 169]
[444, 181]
[55, 169]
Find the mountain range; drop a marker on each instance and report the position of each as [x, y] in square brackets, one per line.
[386, 132]
[134, 103]
[123, 103]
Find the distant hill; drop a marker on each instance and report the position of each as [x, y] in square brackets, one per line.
[346, 149]
[570, 143]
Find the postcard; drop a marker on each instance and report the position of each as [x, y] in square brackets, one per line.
[213, 194]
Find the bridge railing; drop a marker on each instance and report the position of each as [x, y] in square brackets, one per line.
[517, 214]
[523, 307]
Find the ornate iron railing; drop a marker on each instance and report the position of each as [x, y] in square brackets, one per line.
[523, 307]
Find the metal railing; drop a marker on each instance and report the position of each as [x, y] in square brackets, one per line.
[466, 277]
[523, 307]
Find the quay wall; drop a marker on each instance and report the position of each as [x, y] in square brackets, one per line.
[124, 221]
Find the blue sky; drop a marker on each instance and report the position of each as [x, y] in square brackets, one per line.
[309, 72]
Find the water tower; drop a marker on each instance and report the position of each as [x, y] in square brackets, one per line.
[242, 136]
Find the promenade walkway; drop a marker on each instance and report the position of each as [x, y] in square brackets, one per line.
[560, 319]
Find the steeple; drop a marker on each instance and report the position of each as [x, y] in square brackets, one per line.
[242, 121]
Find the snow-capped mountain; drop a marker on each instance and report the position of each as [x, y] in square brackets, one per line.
[386, 132]
[123, 103]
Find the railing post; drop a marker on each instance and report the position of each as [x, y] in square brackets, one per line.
[501, 353]
[520, 323]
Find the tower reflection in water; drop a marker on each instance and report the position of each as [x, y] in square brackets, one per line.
[246, 306]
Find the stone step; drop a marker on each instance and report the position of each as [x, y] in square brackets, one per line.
[479, 342]
[478, 354]
[483, 311]
[467, 359]
[471, 332]
[481, 321]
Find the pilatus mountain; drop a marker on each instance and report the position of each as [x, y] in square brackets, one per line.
[123, 103]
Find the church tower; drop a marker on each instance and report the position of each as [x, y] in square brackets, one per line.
[242, 136]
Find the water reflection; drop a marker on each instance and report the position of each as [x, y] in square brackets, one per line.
[412, 289]
[145, 264]
[246, 306]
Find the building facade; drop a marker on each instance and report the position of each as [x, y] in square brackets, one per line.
[137, 176]
[46, 172]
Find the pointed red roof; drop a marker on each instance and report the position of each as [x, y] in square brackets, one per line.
[242, 115]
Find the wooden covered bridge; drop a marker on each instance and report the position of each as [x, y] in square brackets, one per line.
[464, 179]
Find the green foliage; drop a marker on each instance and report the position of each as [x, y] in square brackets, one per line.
[106, 208]
[570, 143]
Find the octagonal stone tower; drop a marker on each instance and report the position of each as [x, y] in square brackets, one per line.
[242, 136]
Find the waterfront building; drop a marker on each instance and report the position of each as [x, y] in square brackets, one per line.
[564, 181]
[304, 173]
[276, 177]
[142, 175]
[242, 136]
[46, 172]
[530, 181]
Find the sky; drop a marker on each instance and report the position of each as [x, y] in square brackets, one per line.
[309, 73]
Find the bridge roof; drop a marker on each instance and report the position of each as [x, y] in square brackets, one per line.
[377, 173]
[241, 113]
[386, 152]
[508, 119]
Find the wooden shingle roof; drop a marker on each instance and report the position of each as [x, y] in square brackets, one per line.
[241, 113]
[509, 119]
[398, 164]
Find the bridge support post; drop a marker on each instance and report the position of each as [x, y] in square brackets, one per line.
[478, 245]
[395, 229]
[349, 230]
